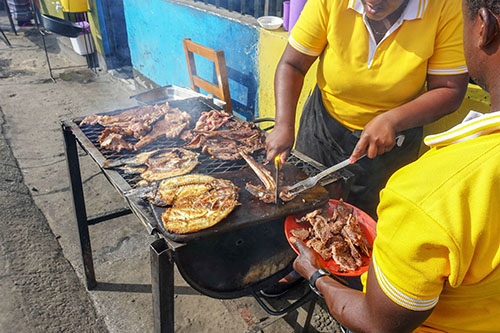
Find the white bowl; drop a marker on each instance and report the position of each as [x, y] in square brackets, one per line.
[270, 22]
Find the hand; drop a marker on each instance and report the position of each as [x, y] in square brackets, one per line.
[279, 141]
[308, 260]
[378, 137]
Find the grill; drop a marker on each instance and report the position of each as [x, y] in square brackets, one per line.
[234, 258]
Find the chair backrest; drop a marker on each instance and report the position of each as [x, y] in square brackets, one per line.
[221, 89]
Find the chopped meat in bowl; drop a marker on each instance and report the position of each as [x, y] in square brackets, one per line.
[340, 233]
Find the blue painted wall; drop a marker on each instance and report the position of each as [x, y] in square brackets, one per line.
[155, 30]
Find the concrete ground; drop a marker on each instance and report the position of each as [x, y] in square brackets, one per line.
[41, 275]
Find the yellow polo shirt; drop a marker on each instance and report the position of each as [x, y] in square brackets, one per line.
[438, 233]
[359, 79]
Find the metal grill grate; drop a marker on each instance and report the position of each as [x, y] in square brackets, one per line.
[207, 164]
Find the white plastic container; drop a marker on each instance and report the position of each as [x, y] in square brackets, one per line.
[78, 44]
[83, 44]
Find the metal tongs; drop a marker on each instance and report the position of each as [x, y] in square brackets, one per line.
[312, 181]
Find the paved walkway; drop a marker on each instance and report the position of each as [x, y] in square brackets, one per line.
[40, 263]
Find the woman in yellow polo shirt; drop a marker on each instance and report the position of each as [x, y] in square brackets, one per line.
[436, 257]
[385, 67]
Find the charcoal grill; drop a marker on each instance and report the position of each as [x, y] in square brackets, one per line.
[222, 263]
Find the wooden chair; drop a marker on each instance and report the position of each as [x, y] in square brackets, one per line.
[219, 90]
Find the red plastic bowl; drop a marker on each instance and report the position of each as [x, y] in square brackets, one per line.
[368, 225]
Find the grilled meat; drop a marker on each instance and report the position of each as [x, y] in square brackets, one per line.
[343, 211]
[300, 233]
[171, 188]
[170, 163]
[266, 193]
[309, 217]
[197, 202]
[142, 113]
[137, 160]
[211, 120]
[261, 172]
[133, 122]
[133, 170]
[352, 231]
[335, 237]
[260, 193]
[321, 229]
[145, 123]
[113, 141]
[285, 194]
[341, 254]
[228, 143]
[172, 124]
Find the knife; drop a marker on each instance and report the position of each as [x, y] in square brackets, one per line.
[277, 167]
[311, 181]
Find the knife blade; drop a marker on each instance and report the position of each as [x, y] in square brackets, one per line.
[277, 167]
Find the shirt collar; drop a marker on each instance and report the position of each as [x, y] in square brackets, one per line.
[414, 10]
[474, 125]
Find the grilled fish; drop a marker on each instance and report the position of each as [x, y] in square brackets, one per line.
[197, 202]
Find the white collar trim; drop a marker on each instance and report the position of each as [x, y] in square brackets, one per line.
[414, 10]
[474, 125]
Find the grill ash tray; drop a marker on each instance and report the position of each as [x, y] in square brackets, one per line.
[253, 211]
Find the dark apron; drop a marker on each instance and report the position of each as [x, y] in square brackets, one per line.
[327, 141]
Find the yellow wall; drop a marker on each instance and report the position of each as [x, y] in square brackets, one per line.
[272, 44]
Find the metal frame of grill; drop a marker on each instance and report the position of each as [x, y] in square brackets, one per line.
[163, 250]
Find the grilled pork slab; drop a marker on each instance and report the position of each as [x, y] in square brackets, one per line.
[172, 124]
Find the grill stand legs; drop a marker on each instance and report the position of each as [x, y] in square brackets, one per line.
[162, 283]
[75, 179]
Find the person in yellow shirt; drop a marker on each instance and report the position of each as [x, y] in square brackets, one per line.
[385, 67]
[436, 258]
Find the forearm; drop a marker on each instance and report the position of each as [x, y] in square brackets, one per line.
[288, 83]
[372, 311]
[346, 305]
[442, 98]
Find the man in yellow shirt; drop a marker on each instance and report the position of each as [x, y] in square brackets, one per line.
[436, 257]
[385, 67]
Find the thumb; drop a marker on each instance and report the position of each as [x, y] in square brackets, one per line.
[358, 150]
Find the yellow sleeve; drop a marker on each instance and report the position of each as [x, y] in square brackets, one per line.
[308, 35]
[448, 57]
[410, 253]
